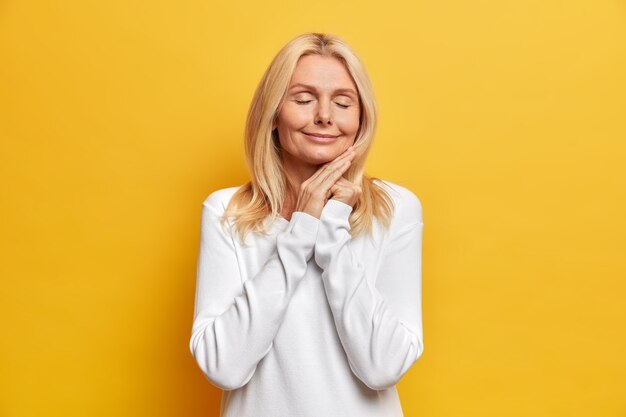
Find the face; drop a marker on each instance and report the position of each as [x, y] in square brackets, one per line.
[321, 100]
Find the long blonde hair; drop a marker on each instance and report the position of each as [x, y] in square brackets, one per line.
[265, 193]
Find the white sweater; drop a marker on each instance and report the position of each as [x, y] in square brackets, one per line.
[307, 321]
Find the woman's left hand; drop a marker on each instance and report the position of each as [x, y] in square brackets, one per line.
[345, 191]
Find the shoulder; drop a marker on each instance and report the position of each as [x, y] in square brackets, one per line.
[219, 199]
[407, 206]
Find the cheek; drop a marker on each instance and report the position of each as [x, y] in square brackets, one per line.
[293, 118]
[349, 122]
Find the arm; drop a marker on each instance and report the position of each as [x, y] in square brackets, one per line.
[380, 327]
[234, 325]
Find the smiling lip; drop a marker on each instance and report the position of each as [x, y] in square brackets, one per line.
[320, 135]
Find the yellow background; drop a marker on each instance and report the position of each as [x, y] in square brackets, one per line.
[506, 118]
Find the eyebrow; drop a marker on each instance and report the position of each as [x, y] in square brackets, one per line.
[339, 90]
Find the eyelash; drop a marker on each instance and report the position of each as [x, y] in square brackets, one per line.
[343, 106]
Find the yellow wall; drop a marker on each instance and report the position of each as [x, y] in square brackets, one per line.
[506, 118]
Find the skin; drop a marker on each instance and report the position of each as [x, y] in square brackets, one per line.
[328, 103]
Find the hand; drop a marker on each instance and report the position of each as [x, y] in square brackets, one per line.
[317, 189]
[346, 192]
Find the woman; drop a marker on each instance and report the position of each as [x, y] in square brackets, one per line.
[308, 291]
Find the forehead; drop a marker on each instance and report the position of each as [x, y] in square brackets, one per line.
[324, 72]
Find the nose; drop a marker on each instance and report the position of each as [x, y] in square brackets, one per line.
[323, 116]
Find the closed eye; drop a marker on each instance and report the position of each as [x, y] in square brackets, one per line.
[343, 106]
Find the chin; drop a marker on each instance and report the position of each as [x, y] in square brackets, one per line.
[322, 155]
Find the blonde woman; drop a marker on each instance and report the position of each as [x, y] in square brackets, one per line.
[308, 289]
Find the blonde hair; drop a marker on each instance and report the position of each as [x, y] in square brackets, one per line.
[265, 193]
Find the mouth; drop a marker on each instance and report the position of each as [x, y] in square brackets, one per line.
[320, 138]
[321, 135]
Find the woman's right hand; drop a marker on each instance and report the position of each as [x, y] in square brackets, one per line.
[315, 191]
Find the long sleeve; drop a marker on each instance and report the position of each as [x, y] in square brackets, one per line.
[380, 327]
[234, 324]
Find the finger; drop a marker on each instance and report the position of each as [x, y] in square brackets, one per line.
[337, 162]
[326, 178]
[347, 154]
[340, 184]
[331, 177]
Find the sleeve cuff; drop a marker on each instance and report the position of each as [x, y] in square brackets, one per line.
[304, 221]
[335, 209]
